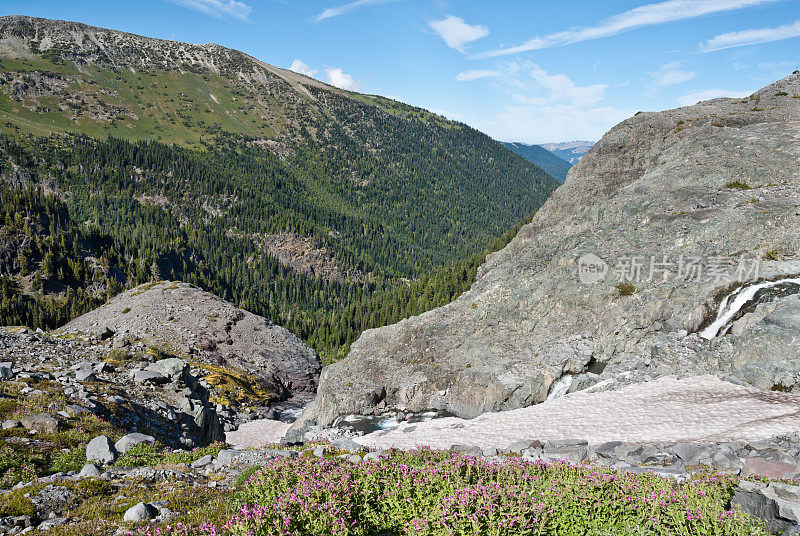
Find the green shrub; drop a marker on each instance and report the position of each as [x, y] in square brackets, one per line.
[150, 455]
[68, 460]
[738, 185]
[625, 288]
[141, 455]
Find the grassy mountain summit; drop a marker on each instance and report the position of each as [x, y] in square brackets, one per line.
[288, 196]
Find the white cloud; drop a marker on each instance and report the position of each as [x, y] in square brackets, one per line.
[647, 15]
[347, 8]
[697, 96]
[218, 8]
[457, 33]
[336, 77]
[300, 67]
[670, 74]
[562, 88]
[555, 122]
[549, 106]
[477, 74]
[751, 37]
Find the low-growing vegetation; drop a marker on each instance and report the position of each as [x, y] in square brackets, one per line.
[625, 288]
[738, 185]
[431, 493]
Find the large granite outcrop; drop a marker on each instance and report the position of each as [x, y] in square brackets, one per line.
[185, 320]
[719, 181]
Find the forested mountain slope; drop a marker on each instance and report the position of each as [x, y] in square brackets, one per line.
[554, 165]
[289, 197]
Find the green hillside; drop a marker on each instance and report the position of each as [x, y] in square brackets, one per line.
[289, 197]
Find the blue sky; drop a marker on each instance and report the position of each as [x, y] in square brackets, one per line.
[520, 70]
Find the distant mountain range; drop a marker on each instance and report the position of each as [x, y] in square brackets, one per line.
[545, 159]
[571, 151]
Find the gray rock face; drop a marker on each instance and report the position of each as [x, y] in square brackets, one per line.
[777, 504]
[214, 330]
[717, 181]
[101, 449]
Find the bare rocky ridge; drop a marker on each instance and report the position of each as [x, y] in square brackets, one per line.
[719, 181]
[188, 321]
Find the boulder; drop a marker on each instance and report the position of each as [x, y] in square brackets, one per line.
[101, 449]
[128, 441]
[693, 454]
[140, 512]
[41, 422]
[85, 375]
[6, 370]
[346, 444]
[173, 368]
[90, 470]
[208, 459]
[215, 330]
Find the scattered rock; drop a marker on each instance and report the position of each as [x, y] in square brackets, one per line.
[758, 466]
[90, 470]
[128, 441]
[148, 376]
[101, 449]
[140, 512]
[48, 524]
[11, 423]
[6, 370]
[41, 422]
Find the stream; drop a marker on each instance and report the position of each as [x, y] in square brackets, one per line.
[747, 297]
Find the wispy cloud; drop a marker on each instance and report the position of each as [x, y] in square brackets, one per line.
[698, 96]
[300, 67]
[335, 76]
[545, 106]
[477, 74]
[218, 8]
[347, 8]
[562, 88]
[751, 37]
[670, 74]
[639, 17]
[457, 33]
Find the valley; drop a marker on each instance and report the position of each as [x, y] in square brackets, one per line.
[237, 299]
